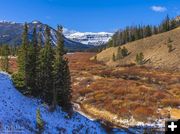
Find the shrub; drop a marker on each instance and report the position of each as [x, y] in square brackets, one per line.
[140, 58]
[141, 113]
[119, 54]
[169, 40]
[95, 58]
[170, 47]
[85, 91]
[39, 121]
[171, 102]
[124, 52]
[124, 112]
[113, 57]
[18, 80]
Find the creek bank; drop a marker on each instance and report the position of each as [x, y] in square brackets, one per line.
[121, 125]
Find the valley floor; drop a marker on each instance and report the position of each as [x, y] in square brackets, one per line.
[123, 96]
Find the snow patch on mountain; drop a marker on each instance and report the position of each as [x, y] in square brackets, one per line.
[8, 22]
[88, 38]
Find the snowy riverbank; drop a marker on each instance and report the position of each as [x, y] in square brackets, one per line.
[18, 114]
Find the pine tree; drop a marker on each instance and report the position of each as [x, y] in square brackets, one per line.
[38, 64]
[22, 54]
[119, 54]
[32, 57]
[113, 57]
[132, 33]
[66, 98]
[46, 67]
[20, 78]
[124, 52]
[39, 121]
[4, 58]
[140, 58]
[39, 38]
[147, 31]
[62, 75]
[169, 45]
[166, 24]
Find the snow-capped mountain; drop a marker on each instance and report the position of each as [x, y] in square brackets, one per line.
[11, 32]
[88, 38]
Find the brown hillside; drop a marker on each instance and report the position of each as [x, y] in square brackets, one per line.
[154, 48]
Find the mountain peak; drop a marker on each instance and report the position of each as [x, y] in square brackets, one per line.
[36, 22]
[89, 38]
[8, 22]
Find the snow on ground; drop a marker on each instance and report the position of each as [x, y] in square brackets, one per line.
[18, 113]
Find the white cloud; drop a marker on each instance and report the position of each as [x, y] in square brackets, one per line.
[158, 8]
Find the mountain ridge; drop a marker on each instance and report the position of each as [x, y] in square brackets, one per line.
[88, 38]
[10, 33]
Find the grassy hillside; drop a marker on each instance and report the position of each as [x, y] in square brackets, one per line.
[154, 48]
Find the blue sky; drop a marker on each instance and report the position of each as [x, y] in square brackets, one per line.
[89, 15]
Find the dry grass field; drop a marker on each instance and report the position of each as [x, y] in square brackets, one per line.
[142, 92]
[12, 65]
[110, 93]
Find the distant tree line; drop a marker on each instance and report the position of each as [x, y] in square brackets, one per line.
[43, 69]
[6, 52]
[12, 49]
[133, 33]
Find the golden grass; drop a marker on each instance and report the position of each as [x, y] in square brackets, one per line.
[154, 48]
[112, 90]
[108, 92]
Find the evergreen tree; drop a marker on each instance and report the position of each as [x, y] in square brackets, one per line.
[62, 75]
[169, 45]
[140, 58]
[39, 121]
[147, 31]
[166, 24]
[155, 30]
[20, 78]
[66, 98]
[39, 38]
[113, 57]
[32, 57]
[173, 24]
[119, 54]
[4, 58]
[124, 52]
[38, 64]
[22, 54]
[46, 67]
[132, 33]
[110, 43]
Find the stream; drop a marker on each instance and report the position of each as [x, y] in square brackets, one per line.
[109, 128]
